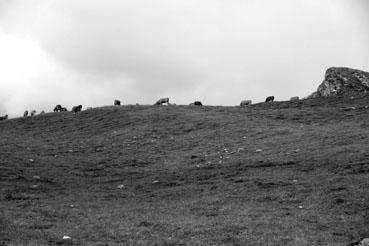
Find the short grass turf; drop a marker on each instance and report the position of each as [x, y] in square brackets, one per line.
[282, 173]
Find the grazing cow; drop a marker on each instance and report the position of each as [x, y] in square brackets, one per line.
[245, 103]
[25, 114]
[269, 99]
[116, 102]
[161, 101]
[62, 109]
[57, 108]
[33, 112]
[76, 109]
[196, 103]
[5, 117]
[294, 99]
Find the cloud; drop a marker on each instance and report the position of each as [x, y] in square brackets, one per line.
[31, 78]
[218, 51]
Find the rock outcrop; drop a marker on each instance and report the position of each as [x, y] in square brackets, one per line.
[343, 81]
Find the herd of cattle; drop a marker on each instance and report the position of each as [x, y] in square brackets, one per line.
[161, 101]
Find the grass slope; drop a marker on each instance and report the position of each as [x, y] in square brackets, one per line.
[286, 173]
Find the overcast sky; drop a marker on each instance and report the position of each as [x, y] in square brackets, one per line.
[91, 52]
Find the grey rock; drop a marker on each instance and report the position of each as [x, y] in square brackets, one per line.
[342, 81]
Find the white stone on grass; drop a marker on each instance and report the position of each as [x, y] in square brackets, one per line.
[364, 242]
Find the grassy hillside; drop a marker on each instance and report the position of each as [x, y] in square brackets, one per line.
[286, 173]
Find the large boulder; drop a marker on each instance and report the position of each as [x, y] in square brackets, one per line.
[343, 81]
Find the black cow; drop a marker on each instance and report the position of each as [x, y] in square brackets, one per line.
[76, 109]
[57, 108]
[25, 113]
[197, 103]
[269, 99]
[62, 109]
[116, 103]
[5, 117]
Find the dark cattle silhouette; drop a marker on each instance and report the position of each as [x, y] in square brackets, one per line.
[25, 114]
[57, 108]
[76, 109]
[62, 109]
[196, 103]
[245, 103]
[33, 112]
[5, 117]
[116, 102]
[161, 101]
[269, 99]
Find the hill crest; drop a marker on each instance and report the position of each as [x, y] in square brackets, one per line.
[178, 175]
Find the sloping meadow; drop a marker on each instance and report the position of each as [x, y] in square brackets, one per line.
[282, 173]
